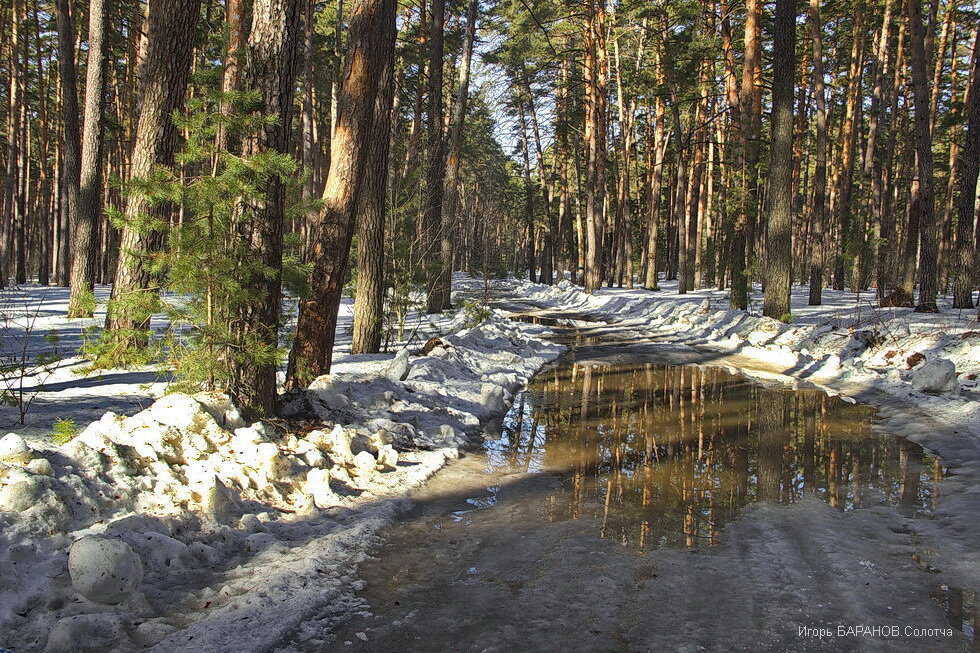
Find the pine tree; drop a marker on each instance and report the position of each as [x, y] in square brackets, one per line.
[779, 263]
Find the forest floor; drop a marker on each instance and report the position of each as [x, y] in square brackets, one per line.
[276, 574]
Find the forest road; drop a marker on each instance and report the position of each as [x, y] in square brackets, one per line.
[481, 564]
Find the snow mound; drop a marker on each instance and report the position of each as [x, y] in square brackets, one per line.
[104, 570]
[938, 376]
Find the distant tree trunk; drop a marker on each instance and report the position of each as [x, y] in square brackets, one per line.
[369, 295]
[847, 233]
[71, 154]
[452, 206]
[86, 225]
[656, 148]
[170, 37]
[595, 139]
[270, 68]
[370, 55]
[750, 121]
[923, 203]
[874, 166]
[565, 243]
[818, 208]
[887, 203]
[528, 193]
[545, 259]
[682, 154]
[624, 211]
[435, 172]
[779, 226]
[965, 278]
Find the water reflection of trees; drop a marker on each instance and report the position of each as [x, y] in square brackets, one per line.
[668, 455]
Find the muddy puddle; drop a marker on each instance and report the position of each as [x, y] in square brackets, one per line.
[666, 455]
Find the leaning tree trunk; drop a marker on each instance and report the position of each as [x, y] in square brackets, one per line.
[966, 276]
[171, 27]
[85, 227]
[370, 56]
[922, 200]
[779, 226]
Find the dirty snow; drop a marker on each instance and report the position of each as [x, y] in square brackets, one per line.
[234, 523]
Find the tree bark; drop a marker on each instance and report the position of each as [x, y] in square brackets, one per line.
[435, 172]
[779, 260]
[86, 225]
[370, 287]
[370, 53]
[271, 67]
[965, 277]
[170, 37]
[923, 202]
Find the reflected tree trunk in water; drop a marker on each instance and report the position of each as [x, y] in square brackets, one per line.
[910, 460]
[770, 407]
[668, 456]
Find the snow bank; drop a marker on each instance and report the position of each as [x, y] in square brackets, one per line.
[183, 521]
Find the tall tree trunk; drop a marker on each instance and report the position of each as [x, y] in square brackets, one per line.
[370, 287]
[370, 55]
[846, 234]
[270, 67]
[86, 225]
[452, 206]
[750, 124]
[545, 259]
[170, 37]
[885, 205]
[874, 172]
[923, 202]
[435, 173]
[818, 208]
[965, 278]
[595, 139]
[656, 148]
[682, 155]
[779, 261]
[71, 136]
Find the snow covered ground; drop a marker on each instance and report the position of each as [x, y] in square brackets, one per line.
[33, 322]
[226, 523]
